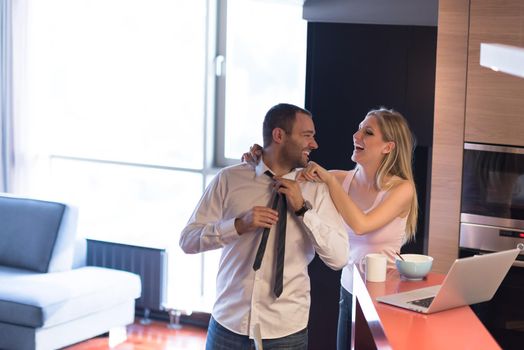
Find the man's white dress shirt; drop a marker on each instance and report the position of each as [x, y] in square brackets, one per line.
[244, 296]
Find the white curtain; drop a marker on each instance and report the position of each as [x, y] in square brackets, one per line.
[16, 154]
[6, 146]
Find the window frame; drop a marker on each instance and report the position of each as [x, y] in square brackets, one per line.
[219, 158]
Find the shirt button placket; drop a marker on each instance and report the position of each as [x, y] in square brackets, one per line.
[254, 302]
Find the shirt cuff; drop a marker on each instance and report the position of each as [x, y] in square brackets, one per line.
[307, 214]
[227, 231]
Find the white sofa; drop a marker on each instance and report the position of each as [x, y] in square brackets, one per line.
[48, 298]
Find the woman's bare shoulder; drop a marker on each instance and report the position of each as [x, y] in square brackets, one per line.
[340, 175]
[399, 184]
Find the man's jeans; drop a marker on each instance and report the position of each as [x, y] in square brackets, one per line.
[220, 338]
[344, 320]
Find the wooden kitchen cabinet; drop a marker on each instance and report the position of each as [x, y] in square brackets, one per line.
[494, 100]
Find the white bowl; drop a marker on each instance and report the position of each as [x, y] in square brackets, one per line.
[414, 266]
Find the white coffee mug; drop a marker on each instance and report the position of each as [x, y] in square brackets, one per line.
[375, 266]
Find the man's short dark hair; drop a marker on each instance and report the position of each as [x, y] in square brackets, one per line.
[281, 116]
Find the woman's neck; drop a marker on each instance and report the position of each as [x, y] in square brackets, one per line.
[365, 177]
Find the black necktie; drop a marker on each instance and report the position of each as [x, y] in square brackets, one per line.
[280, 202]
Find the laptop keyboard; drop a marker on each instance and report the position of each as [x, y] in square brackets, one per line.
[422, 302]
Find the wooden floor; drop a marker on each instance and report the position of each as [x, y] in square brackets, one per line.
[155, 336]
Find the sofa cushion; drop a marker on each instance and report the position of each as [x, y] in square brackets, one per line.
[44, 300]
[28, 232]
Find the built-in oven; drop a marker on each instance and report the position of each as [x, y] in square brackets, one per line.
[492, 219]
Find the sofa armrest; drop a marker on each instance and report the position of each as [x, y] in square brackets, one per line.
[80, 257]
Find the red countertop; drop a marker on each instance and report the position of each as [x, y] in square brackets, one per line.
[383, 326]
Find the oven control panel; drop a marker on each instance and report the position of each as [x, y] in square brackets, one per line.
[512, 233]
[490, 238]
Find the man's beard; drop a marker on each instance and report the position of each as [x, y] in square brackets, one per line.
[292, 157]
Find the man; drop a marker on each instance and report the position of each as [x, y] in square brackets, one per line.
[237, 213]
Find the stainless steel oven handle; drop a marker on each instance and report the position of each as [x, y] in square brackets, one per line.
[493, 148]
[518, 263]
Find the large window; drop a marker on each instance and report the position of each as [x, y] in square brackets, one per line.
[116, 110]
[117, 88]
[265, 64]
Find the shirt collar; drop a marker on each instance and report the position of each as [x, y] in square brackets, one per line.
[261, 168]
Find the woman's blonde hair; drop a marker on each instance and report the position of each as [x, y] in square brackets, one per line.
[394, 128]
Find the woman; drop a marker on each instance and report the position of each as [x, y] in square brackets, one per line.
[377, 199]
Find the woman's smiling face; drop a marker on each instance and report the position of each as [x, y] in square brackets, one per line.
[368, 142]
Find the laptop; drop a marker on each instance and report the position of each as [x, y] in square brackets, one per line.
[469, 281]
